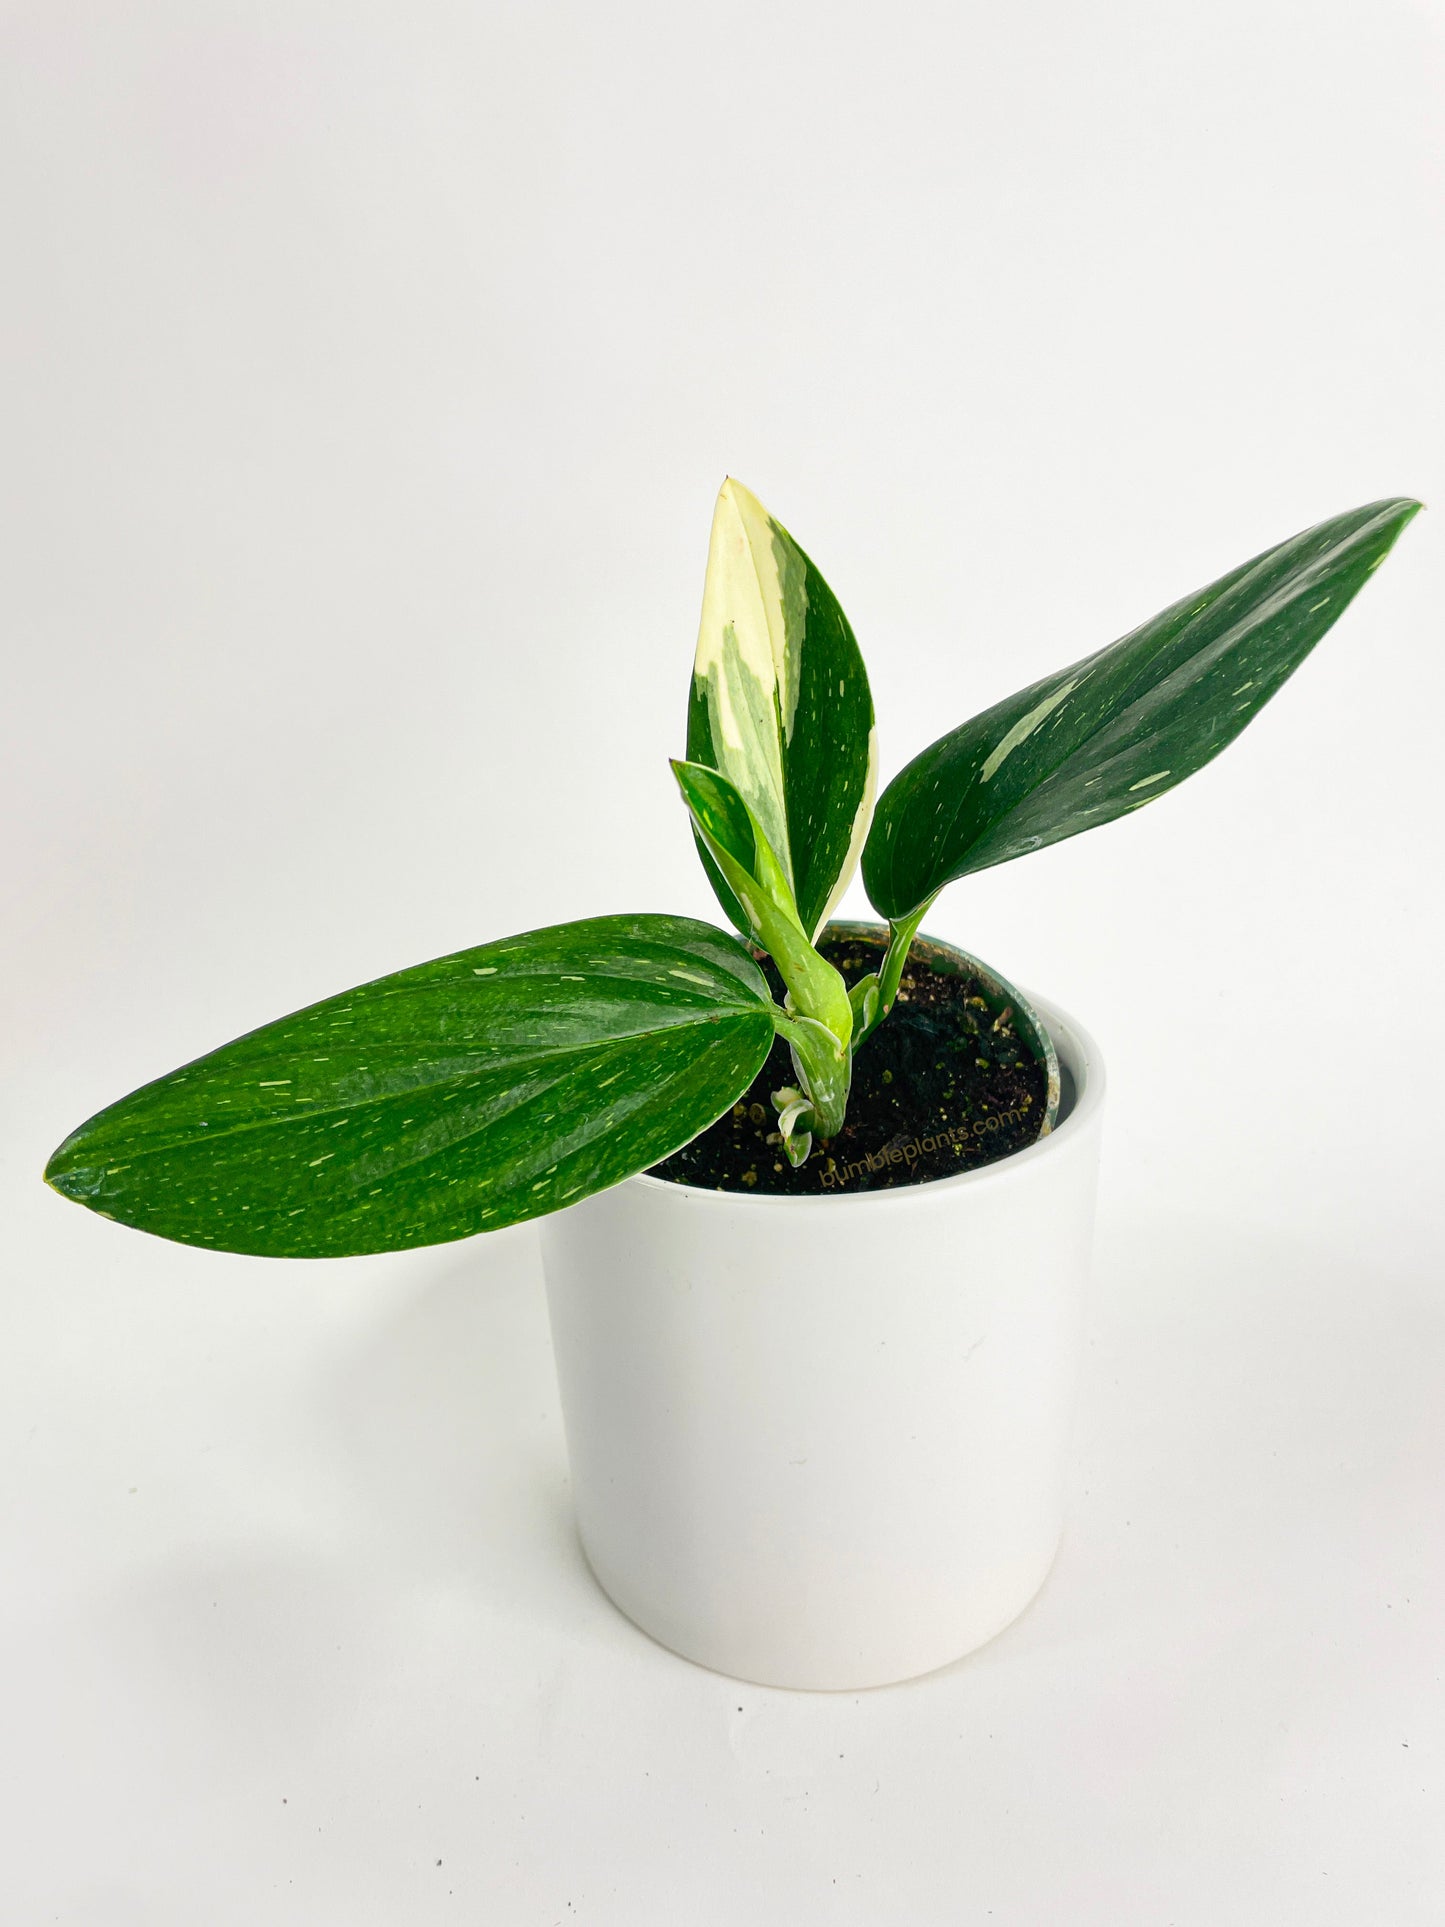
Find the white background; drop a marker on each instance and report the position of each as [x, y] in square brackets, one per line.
[368, 375]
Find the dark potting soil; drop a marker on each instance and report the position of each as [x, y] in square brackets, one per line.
[944, 1084]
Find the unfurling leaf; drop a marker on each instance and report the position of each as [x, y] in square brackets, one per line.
[780, 705]
[745, 860]
[795, 1124]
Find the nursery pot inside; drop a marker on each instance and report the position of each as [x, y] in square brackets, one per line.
[819, 1440]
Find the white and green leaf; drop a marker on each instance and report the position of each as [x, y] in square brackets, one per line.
[818, 1023]
[780, 705]
[472, 1092]
[732, 838]
[1115, 731]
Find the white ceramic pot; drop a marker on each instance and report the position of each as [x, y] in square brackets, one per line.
[820, 1442]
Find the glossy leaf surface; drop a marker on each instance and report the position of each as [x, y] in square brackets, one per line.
[1118, 729]
[735, 842]
[780, 704]
[483, 1088]
[726, 825]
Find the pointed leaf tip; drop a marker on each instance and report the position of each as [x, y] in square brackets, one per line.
[1113, 732]
[780, 704]
[472, 1092]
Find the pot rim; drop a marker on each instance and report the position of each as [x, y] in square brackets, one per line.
[1077, 1051]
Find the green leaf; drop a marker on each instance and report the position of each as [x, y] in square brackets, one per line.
[724, 822]
[780, 705]
[1118, 729]
[468, 1093]
[735, 842]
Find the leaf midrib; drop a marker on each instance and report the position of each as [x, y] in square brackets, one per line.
[283, 1120]
[1299, 581]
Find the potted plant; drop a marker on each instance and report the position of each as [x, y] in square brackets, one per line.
[817, 1198]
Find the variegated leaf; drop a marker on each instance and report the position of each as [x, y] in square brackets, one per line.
[780, 705]
[731, 837]
[468, 1093]
[1115, 731]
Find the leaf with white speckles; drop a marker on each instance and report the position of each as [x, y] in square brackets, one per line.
[780, 706]
[472, 1092]
[1112, 732]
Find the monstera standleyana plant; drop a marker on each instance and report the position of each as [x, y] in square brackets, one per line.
[508, 1081]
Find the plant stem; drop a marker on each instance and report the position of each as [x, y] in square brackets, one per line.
[824, 1068]
[902, 932]
[815, 988]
